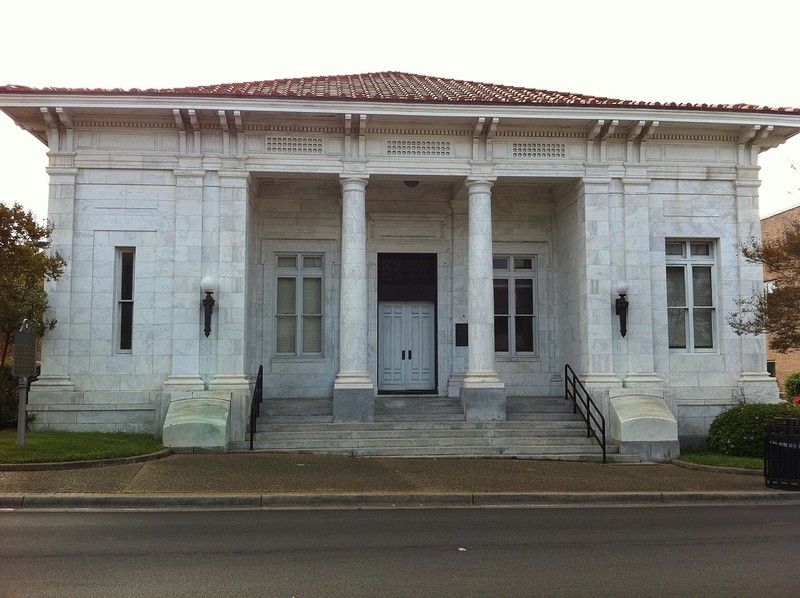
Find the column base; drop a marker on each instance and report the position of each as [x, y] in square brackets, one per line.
[183, 383]
[483, 396]
[53, 383]
[759, 387]
[353, 405]
[229, 382]
[353, 397]
[601, 379]
[642, 379]
[454, 384]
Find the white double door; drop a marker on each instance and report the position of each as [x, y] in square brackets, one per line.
[406, 354]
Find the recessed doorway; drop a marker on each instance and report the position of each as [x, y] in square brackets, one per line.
[407, 323]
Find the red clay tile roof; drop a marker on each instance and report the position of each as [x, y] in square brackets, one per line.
[398, 87]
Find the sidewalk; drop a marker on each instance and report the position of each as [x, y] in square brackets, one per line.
[274, 480]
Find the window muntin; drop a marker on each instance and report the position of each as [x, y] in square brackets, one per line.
[299, 304]
[125, 276]
[691, 282]
[514, 300]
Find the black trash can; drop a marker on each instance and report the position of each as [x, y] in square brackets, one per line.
[782, 454]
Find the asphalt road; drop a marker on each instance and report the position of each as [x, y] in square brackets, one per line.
[679, 551]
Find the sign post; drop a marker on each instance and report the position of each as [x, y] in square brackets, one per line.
[24, 367]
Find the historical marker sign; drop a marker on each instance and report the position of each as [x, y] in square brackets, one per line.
[24, 365]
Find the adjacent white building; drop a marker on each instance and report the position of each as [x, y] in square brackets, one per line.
[394, 233]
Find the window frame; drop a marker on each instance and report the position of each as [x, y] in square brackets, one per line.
[299, 272]
[511, 274]
[123, 323]
[687, 262]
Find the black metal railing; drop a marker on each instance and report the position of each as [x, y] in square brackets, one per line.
[255, 403]
[582, 403]
[782, 454]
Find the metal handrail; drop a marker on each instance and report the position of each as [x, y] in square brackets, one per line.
[575, 390]
[255, 403]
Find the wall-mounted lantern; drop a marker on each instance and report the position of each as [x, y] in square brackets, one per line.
[209, 286]
[621, 306]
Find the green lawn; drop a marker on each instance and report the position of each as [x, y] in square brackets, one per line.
[707, 457]
[43, 447]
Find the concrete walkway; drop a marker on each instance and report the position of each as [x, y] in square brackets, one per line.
[269, 480]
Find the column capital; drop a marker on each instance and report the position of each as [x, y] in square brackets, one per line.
[636, 185]
[189, 162]
[61, 171]
[353, 182]
[479, 184]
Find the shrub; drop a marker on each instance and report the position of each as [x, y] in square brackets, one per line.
[792, 386]
[740, 430]
[9, 399]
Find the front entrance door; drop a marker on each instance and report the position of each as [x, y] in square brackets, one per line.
[406, 354]
[407, 322]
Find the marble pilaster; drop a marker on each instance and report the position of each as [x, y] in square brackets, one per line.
[56, 343]
[638, 343]
[755, 382]
[185, 375]
[231, 274]
[596, 289]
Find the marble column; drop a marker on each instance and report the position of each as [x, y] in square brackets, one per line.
[353, 390]
[482, 393]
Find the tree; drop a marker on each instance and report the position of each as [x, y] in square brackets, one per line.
[25, 263]
[776, 310]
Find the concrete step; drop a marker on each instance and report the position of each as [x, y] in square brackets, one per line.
[522, 452]
[428, 426]
[416, 402]
[418, 417]
[267, 441]
[297, 407]
[538, 409]
[528, 403]
[294, 419]
[419, 427]
[544, 416]
[421, 435]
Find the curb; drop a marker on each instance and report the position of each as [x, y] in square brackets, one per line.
[716, 469]
[85, 464]
[258, 501]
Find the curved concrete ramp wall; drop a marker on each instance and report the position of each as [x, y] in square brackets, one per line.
[197, 422]
[644, 425]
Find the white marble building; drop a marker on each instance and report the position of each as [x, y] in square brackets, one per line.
[353, 223]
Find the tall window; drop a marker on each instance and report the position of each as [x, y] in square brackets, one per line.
[298, 314]
[124, 292]
[690, 294]
[514, 318]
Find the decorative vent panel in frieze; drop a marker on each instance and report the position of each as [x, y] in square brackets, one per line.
[412, 147]
[294, 145]
[538, 150]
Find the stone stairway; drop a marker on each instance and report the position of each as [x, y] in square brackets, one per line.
[425, 426]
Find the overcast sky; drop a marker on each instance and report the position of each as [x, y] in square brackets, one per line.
[683, 50]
